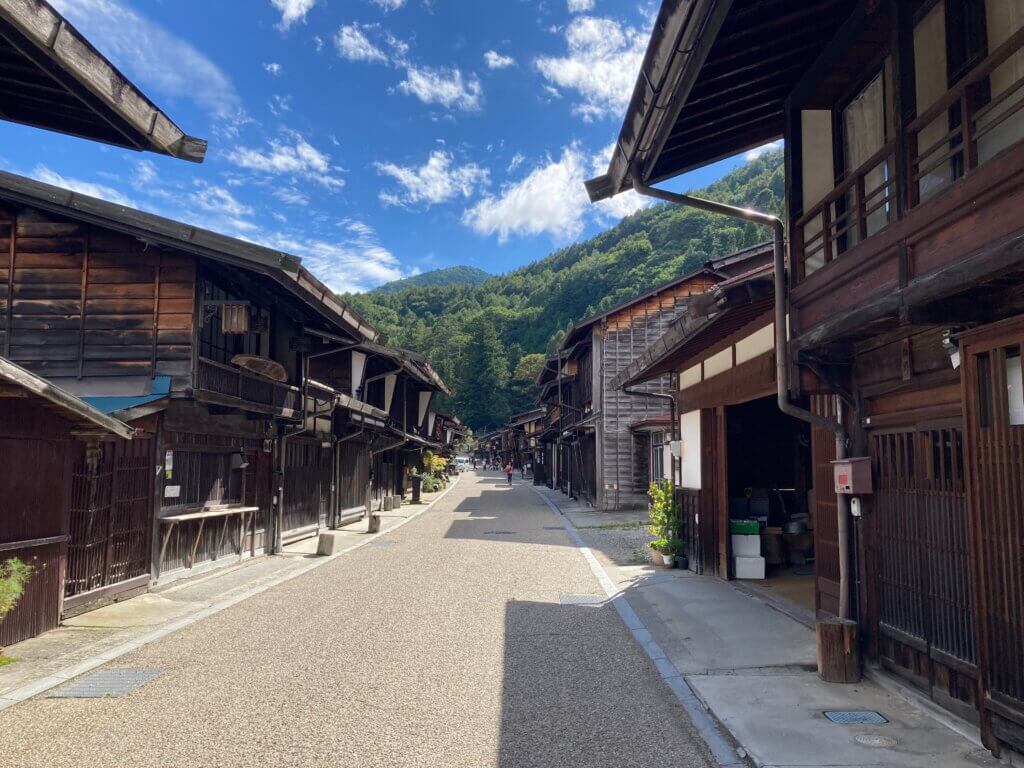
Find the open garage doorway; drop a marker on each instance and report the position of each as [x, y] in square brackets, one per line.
[771, 523]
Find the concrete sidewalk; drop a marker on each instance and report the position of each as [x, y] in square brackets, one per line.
[90, 635]
[751, 661]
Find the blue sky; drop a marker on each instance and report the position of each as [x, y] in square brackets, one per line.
[373, 138]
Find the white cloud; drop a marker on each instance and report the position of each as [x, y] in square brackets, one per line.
[291, 154]
[144, 174]
[444, 86]
[273, 68]
[601, 63]
[354, 260]
[47, 176]
[495, 60]
[278, 104]
[218, 200]
[550, 199]
[353, 44]
[579, 6]
[291, 196]
[150, 54]
[515, 162]
[389, 5]
[764, 149]
[435, 181]
[292, 10]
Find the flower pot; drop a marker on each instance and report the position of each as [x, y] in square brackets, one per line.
[667, 560]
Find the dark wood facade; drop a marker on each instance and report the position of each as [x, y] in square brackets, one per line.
[244, 380]
[904, 152]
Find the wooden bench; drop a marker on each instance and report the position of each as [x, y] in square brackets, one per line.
[202, 515]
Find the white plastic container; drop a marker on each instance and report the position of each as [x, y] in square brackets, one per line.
[749, 567]
[748, 545]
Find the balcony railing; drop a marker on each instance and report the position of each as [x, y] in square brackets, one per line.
[861, 205]
[233, 384]
[970, 124]
[939, 155]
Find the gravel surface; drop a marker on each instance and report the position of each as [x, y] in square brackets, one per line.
[449, 648]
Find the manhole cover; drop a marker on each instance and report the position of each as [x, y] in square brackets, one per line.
[581, 600]
[875, 740]
[104, 683]
[855, 717]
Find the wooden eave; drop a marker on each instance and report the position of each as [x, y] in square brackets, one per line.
[714, 83]
[52, 77]
[687, 338]
[16, 381]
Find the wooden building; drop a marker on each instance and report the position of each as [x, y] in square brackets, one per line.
[213, 348]
[46, 435]
[902, 123]
[614, 443]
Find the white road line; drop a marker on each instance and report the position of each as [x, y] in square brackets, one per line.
[721, 748]
[41, 685]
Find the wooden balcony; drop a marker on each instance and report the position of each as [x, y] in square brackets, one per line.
[924, 217]
[227, 385]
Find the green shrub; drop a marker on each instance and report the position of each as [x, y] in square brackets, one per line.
[664, 518]
[431, 483]
[14, 574]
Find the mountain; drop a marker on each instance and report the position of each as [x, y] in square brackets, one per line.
[530, 308]
[463, 275]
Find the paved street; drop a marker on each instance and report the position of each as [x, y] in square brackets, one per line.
[443, 643]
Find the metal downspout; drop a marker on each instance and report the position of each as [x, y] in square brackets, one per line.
[782, 366]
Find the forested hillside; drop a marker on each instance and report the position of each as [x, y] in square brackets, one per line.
[488, 340]
[436, 277]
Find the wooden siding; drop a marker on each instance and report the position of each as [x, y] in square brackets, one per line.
[627, 334]
[995, 450]
[825, 512]
[77, 301]
[34, 443]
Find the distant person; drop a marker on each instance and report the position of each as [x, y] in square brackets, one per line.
[508, 472]
[522, 471]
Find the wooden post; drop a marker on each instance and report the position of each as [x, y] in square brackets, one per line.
[838, 652]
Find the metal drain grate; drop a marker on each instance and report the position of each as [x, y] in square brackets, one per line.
[380, 544]
[553, 528]
[855, 717]
[105, 683]
[499, 533]
[581, 600]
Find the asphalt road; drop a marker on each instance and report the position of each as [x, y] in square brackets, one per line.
[444, 643]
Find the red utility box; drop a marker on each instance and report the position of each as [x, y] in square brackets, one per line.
[852, 476]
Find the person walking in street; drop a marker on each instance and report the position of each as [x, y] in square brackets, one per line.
[508, 472]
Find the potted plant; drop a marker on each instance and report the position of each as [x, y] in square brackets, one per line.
[666, 549]
[664, 522]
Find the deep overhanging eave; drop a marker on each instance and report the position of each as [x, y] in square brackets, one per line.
[123, 115]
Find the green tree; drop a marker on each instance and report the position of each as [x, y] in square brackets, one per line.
[481, 386]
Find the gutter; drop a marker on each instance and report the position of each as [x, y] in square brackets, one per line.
[782, 361]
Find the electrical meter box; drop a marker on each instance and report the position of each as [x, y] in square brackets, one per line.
[852, 476]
